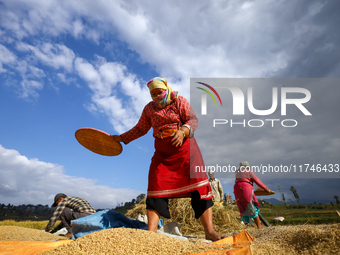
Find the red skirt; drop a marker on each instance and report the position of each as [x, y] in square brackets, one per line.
[243, 192]
[173, 170]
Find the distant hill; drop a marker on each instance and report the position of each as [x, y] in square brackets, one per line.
[274, 201]
[303, 201]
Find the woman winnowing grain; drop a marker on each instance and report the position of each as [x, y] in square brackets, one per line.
[244, 194]
[172, 170]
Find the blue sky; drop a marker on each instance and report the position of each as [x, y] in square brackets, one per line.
[71, 64]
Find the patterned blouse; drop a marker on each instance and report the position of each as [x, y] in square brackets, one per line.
[249, 176]
[172, 116]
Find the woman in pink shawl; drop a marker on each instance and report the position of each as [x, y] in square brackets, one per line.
[246, 200]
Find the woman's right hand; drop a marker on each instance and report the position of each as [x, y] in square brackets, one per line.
[117, 138]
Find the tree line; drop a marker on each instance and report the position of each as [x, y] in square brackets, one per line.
[296, 196]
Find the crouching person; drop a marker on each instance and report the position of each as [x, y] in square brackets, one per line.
[68, 208]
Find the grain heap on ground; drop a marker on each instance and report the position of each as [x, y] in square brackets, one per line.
[308, 239]
[300, 239]
[128, 241]
[14, 233]
[225, 218]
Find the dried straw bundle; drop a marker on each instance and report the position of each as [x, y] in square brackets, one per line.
[224, 217]
[139, 208]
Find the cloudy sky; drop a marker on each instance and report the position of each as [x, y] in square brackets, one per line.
[71, 64]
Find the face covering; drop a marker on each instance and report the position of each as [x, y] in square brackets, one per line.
[161, 101]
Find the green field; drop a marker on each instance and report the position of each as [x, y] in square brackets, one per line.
[305, 214]
[26, 224]
[293, 214]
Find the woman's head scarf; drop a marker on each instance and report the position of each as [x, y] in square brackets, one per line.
[167, 96]
[243, 165]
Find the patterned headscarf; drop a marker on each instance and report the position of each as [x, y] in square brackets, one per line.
[167, 96]
[244, 163]
[157, 83]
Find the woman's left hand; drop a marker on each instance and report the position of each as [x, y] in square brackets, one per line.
[178, 138]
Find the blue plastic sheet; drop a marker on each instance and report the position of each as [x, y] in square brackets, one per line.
[160, 223]
[103, 220]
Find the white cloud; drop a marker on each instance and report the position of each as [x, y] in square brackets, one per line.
[28, 71]
[78, 28]
[86, 71]
[29, 88]
[110, 83]
[181, 39]
[31, 79]
[11, 22]
[65, 79]
[30, 181]
[50, 18]
[57, 56]
[36, 72]
[6, 57]
[54, 55]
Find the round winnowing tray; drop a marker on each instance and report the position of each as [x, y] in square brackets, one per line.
[98, 142]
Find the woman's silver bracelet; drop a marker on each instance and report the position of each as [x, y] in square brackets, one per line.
[191, 132]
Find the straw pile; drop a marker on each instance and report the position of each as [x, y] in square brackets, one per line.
[14, 233]
[225, 218]
[301, 239]
[127, 241]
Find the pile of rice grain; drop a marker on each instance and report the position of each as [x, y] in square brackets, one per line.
[128, 241]
[14, 233]
[299, 239]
